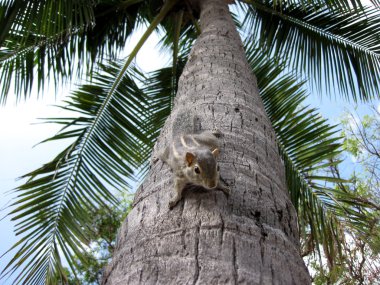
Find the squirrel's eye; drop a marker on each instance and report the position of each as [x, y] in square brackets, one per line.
[197, 170]
[217, 168]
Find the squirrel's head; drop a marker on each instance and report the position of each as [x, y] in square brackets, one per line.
[202, 168]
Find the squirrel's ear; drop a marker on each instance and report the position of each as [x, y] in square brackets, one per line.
[215, 152]
[189, 158]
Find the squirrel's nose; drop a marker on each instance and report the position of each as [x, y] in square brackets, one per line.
[212, 184]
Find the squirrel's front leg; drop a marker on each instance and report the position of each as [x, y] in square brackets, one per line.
[161, 155]
[179, 185]
[226, 190]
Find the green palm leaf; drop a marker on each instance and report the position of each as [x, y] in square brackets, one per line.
[342, 5]
[336, 49]
[43, 17]
[108, 143]
[49, 38]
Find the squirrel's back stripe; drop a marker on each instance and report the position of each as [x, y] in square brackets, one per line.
[188, 141]
[183, 141]
[175, 152]
[194, 140]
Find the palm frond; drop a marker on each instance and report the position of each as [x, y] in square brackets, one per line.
[335, 49]
[49, 38]
[308, 145]
[108, 144]
[44, 17]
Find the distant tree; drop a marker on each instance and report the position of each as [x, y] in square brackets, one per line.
[362, 141]
[101, 233]
[360, 262]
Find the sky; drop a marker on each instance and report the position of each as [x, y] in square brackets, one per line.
[21, 131]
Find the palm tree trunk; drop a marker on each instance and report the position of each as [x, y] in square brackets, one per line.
[250, 237]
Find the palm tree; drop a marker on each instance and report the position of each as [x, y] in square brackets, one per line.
[269, 141]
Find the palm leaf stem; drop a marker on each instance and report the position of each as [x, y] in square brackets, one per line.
[177, 33]
[157, 20]
[123, 5]
[8, 20]
[194, 21]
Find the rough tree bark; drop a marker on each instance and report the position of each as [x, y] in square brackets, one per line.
[251, 237]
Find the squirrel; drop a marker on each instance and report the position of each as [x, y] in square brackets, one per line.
[192, 158]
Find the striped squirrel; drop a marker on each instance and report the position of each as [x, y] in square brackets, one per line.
[192, 158]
